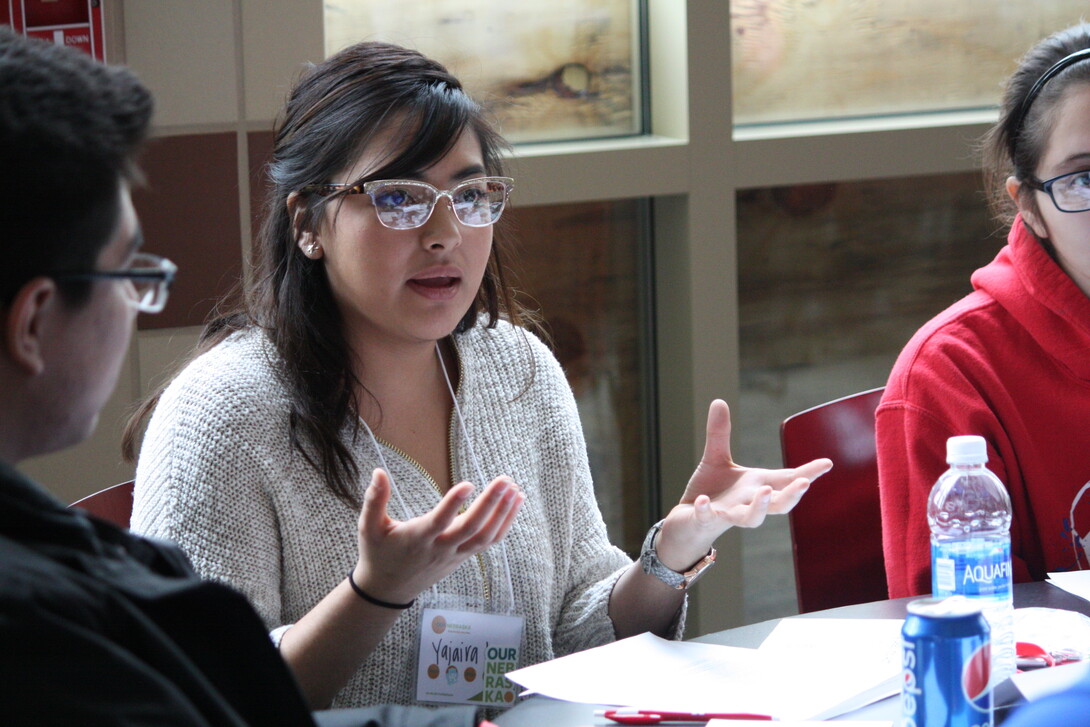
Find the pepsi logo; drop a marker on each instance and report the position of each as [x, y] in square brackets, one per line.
[976, 678]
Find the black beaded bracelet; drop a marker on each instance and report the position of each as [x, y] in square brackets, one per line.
[371, 599]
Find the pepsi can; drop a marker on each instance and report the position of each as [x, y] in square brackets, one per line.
[946, 663]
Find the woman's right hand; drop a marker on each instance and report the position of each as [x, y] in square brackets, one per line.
[398, 560]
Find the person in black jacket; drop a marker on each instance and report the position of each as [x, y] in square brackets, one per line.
[99, 626]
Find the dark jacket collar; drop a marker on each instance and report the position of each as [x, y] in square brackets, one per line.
[35, 519]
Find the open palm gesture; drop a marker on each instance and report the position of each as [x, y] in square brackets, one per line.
[722, 494]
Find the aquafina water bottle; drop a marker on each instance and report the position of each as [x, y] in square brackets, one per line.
[969, 512]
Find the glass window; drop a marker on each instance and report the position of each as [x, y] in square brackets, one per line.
[559, 69]
[833, 281]
[835, 58]
[585, 266]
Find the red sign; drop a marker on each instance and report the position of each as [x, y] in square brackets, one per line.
[76, 23]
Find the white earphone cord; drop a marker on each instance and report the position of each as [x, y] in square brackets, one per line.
[480, 474]
[393, 486]
[476, 466]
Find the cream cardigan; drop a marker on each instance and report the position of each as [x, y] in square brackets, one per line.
[217, 475]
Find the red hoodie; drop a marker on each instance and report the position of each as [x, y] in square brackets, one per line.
[1010, 362]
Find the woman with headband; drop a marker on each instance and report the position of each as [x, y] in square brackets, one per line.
[376, 450]
[1010, 361]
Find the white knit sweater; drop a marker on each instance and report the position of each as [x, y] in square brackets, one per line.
[218, 476]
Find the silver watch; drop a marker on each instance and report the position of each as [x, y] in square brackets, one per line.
[650, 563]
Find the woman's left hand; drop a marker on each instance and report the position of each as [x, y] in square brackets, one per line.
[722, 494]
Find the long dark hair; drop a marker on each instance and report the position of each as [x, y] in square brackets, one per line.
[334, 111]
[1015, 145]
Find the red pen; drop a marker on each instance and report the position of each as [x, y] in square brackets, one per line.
[653, 716]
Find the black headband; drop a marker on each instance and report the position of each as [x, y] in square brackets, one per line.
[1020, 119]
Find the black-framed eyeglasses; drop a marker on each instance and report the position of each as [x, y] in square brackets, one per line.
[148, 280]
[1069, 192]
[405, 204]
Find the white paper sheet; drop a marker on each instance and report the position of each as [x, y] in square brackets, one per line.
[854, 662]
[1042, 682]
[811, 669]
[1076, 582]
[649, 672]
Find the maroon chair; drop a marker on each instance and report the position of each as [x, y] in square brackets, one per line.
[836, 529]
[113, 504]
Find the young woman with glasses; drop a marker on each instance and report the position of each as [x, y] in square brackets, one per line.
[318, 454]
[1011, 361]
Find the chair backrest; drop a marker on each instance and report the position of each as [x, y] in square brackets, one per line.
[836, 529]
[113, 504]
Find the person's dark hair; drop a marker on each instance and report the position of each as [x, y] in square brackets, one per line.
[334, 111]
[70, 128]
[1015, 145]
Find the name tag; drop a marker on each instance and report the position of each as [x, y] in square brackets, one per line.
[464, 655]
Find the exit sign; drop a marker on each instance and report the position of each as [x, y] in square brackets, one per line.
[76, 23]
